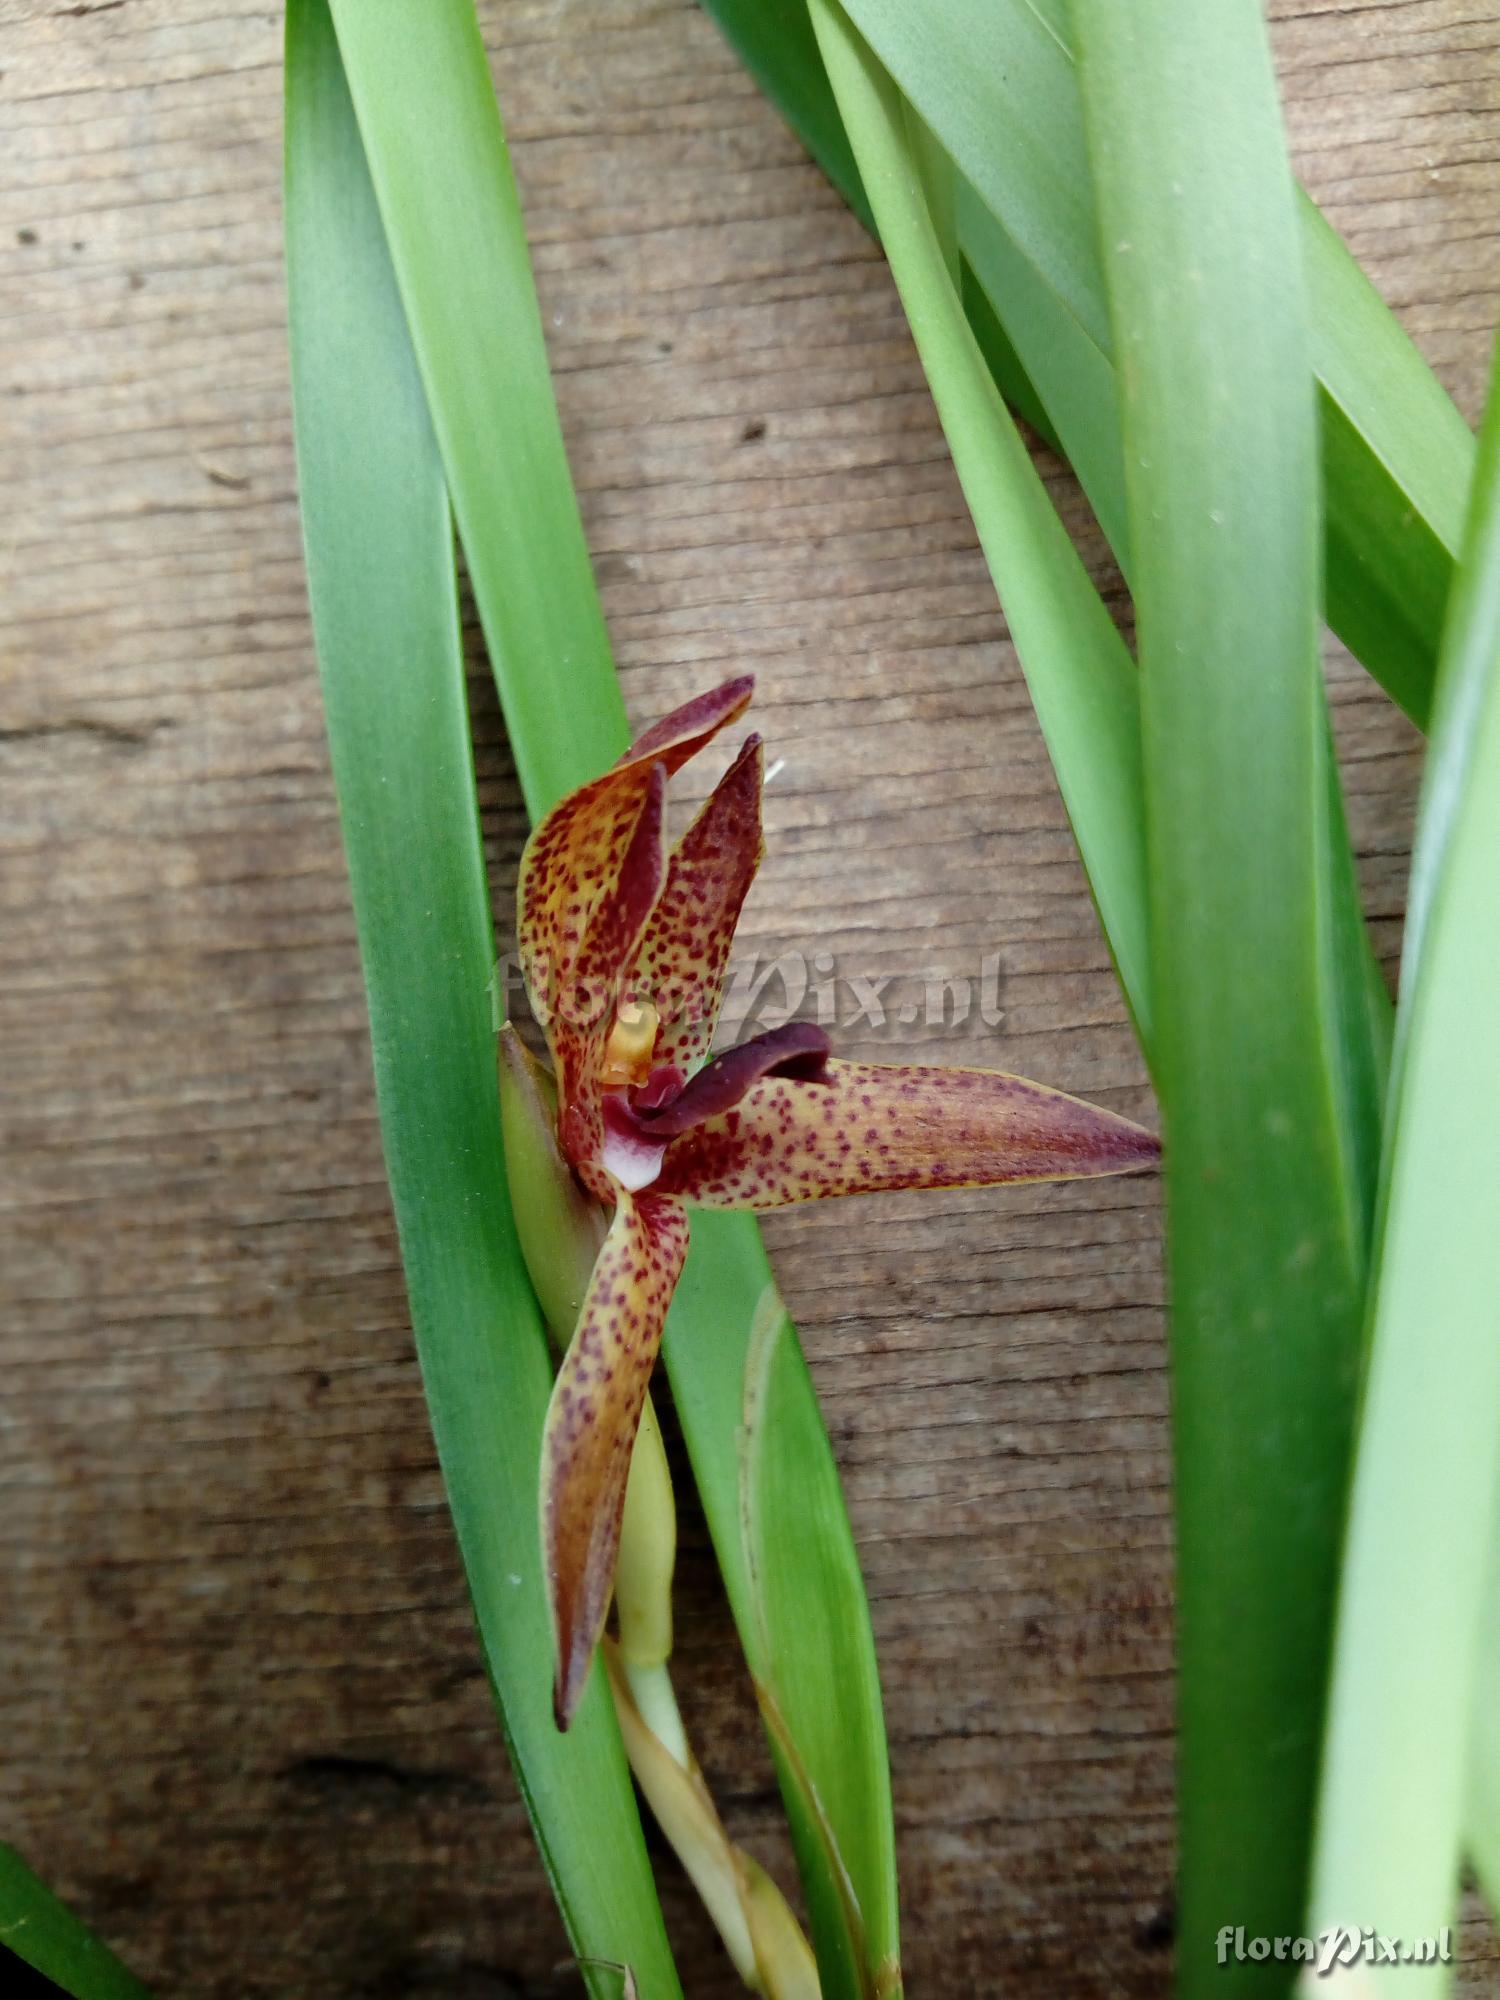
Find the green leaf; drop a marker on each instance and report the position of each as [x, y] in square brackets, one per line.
[1080, 675]
[1397, 457]
[1265, 1240]
[447, 198]
[1415, 1668]
[708, 1348]
[1397, 464]
[971, 68]
[39, 1928]
[1082, 679]
[1071, 375]
[1079, 384]
[1482, 1812]
[421, 87]
[814, 1650]
[1000, 355]
[995, 81]
[380, 564]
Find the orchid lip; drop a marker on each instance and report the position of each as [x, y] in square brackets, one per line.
[797, 1050]
[661, 1088]
[630, 1156]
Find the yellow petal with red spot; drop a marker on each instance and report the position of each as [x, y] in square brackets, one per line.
[592, 1421]
[683, 956]
[863, 1127]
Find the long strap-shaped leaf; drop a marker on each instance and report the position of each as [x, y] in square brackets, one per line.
[1420, 1537]
[1082, 679]
[995, 80]
[1265, 1240]
[1080, 676]
[40, 1929]
[432, 133]
[437, 155]
[380, 561]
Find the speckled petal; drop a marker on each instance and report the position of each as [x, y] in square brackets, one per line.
[592, 1421]
[681, 963]
[683, 733]
[583, 1011]
[591, 873]
[573, 858]
[864, 1127]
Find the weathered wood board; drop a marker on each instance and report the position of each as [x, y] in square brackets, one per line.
[244, 1722]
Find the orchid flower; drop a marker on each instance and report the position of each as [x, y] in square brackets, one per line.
[624, 950]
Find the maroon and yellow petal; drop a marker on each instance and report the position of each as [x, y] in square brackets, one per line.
[569, 868]
[683, 956]
[583, 1009]
[864, 1127]
[575, 855]
[683, 733]
[591, 1426]
[573, 859]
[590, 876]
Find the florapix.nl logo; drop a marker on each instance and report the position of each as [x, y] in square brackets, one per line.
[762, 991]
[1338, 1949]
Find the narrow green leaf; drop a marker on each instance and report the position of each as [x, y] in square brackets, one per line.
[422, 92]
[1397, 457]
[939, 184]
[708, 1346]
[1078, 382]
[1081, 677]
[447, 198]
[381, 577]
[39, 1928]
[1359, 1005]
[970, 67]
[1001, 358]
[1071, 375]
[1265, 1238]
[996, 82]
[1397, 1773]
[1397, 463]
[1094, 741]
[814, 1648]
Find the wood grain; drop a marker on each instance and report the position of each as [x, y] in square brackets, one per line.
[244, 1719]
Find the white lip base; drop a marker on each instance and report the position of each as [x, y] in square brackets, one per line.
[634, 1163]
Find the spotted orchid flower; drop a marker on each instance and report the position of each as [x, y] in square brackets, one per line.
[624, 949]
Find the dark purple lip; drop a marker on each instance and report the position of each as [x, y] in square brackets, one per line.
[798, 1050]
